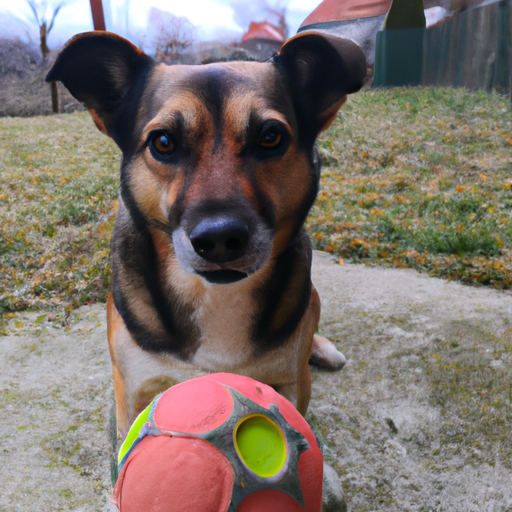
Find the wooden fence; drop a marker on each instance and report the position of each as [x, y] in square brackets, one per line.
[472, 49]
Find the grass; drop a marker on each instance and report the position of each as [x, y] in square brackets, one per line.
[420, 178]
[412, 178]
[58, 194]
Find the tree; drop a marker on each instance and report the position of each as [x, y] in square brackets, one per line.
[273, 11]
[280, 15]
[172, 34]
[44, 15]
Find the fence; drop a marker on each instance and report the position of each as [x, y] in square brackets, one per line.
[472, 49]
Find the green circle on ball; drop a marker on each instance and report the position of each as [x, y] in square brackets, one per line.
[261, 445]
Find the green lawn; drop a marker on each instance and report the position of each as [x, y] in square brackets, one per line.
[420, 178]
[58, 190]
[416, 177]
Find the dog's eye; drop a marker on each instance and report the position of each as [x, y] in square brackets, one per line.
[270, 138]
[162, 143]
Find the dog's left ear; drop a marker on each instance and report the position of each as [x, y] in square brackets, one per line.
[322, 69]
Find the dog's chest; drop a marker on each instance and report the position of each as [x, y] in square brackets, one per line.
[223, 316]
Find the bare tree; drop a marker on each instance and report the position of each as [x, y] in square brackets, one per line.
[44, 15]
[273, 11]
[280, 15]
[172, 34]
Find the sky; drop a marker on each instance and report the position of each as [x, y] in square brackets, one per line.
[212, 18]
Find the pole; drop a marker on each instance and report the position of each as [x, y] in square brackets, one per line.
[98, 18]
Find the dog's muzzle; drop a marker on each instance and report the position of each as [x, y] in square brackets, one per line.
[223, 248]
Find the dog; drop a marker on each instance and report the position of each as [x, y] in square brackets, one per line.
[211, 264]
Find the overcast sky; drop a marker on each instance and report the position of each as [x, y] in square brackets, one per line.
[211, 17]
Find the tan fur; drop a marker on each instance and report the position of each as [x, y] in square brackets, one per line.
[98, 121]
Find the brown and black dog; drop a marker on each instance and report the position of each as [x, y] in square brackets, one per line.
[211, 263]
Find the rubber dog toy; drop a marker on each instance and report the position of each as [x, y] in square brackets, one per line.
[219, 443]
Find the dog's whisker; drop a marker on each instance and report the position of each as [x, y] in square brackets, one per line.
[162, 226]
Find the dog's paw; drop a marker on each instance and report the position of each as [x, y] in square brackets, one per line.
[325, 355]
[332, 495]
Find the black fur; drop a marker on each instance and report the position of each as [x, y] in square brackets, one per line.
[134, 255]
[290, 280]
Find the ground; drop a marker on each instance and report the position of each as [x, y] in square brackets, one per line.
[392, 431]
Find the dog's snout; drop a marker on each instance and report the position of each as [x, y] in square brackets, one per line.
[220, 239]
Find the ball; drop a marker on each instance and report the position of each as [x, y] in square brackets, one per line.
[219, 443]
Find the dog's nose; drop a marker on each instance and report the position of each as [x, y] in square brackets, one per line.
[220, 239]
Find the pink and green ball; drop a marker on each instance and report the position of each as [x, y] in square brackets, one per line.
[220, 443]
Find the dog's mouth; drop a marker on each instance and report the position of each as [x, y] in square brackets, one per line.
[226, 276]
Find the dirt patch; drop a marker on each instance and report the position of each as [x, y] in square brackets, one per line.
[397, 437]
[55, 395]
[428, 362]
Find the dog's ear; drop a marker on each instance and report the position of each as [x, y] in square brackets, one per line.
[102, 70]
[322, 69]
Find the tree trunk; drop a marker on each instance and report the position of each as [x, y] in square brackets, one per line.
[43, 36]
[55, 97]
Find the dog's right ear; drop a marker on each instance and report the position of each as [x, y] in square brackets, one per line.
[103, 71]
[322, 69]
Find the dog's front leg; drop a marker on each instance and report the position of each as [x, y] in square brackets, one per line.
[299, 392]
[138, 375]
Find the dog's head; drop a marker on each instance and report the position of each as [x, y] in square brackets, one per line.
[220, 156]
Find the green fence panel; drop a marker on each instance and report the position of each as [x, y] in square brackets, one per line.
[398, 57]
[473, 49]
